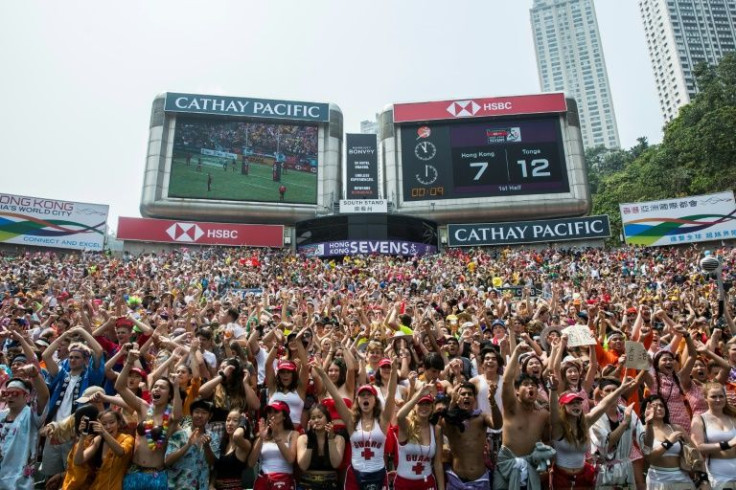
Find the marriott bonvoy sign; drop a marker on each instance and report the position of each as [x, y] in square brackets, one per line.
[553, 230]
[199, 233]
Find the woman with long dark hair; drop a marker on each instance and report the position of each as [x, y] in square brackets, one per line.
[319, 452]
[662, 445]
[289, 381]
[235, 447]
[367, 427]
[671, 384]
[110, 451]
[714, 435]
[158, 421]
[275, 449]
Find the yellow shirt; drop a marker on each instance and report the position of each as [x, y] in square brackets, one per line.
[77, 476]
[112, 471]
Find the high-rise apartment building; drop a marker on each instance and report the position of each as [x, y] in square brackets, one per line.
[680, 34]
[570, 59]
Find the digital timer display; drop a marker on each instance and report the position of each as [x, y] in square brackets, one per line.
[494, 157]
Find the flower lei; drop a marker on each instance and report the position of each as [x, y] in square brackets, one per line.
[148, 426]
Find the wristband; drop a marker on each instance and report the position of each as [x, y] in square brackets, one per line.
[222, 375]
[725, 446]
[667, 444]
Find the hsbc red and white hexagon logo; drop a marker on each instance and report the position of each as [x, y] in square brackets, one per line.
[463, 108]
[184, 232]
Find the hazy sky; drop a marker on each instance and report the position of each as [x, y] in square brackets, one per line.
[78, 77]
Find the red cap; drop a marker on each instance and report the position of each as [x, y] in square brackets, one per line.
[428, 398]
[286, 366]
[124, 322]
[367, 388]
[569, 397]
[384, 362]
[140, 372]
[279, 406]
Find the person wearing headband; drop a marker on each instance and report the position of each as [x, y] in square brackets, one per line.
[19, 429]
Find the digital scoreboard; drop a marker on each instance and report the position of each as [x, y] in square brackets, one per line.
[485, 159]
[497, 157]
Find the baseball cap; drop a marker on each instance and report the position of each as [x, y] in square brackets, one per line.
[569, 398]
[367, 388]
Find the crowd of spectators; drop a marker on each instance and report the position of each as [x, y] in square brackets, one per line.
[472, 368]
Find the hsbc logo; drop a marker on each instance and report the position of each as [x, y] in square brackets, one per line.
[184, 232]
[463, 108]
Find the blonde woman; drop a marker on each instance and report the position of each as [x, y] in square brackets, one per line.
[714, 435]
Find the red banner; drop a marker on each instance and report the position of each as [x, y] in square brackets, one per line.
[199, 233]
[471, 108]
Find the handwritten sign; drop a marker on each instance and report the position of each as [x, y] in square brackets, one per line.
[636, 356]
[579, 335]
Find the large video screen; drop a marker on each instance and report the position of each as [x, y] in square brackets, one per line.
[495, 157]
[244, 161]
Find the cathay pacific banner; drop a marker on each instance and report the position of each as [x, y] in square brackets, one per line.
[551, 230]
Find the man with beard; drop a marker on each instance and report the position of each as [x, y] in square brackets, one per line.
[465, 427]
[525, 421]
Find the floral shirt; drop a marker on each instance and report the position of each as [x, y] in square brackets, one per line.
[191, 471]
[18, 441]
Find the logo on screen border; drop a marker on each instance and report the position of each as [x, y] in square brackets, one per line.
[463, 108]
[184, 232]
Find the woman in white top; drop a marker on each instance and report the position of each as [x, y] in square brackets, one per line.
[275, 448]
[419, 465]
[662, 446]
[571, 434]
[714, 435]
[288, 382]
[367, 427]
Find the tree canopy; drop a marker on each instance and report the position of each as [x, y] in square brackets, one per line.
[697, 154]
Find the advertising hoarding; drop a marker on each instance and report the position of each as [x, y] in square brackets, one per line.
[366, 247]
[51, 223]
[361, 166]
[248, 107]
[225, 159]
[540, 231]
[363, 206]
[485, 107]
[495, 157]
[200, 233]
[680, 220]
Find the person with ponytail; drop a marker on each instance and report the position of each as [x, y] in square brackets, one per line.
[419, 465]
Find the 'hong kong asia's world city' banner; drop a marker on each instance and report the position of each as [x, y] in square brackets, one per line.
[680, 220]
[51, 223]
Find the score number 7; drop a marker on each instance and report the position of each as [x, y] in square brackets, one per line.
[539, 168]
[481, 166]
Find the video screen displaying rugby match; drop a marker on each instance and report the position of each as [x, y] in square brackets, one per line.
[221, 159]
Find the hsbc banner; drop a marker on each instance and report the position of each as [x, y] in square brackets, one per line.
[361, 166]
[366, 247]
[200, 233]
[471, 108]
[550, 230]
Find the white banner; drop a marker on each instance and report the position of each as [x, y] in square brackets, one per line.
[363, 206]
[681, 220]
[218, 153]
[50, 223]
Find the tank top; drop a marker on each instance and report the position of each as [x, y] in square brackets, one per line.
[672, 451]
[321, 463]
[329, 404]
[295, 402]
[229, 466]
[272, 461]
[569, 455]
[483, 404]
[382, 398]
[714, 434]
[415, 460]
[368, 448]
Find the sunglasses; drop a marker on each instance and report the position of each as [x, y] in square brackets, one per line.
[13, 393]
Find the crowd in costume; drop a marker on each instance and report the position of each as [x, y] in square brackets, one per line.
[468, 369]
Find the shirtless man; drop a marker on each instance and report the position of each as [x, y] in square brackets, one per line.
[524, 424]
[465, 427]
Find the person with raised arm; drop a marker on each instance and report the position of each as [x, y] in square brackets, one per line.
[367, 427]
[522, 453]
[157, 422]
[275, 449]
[419, 464]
